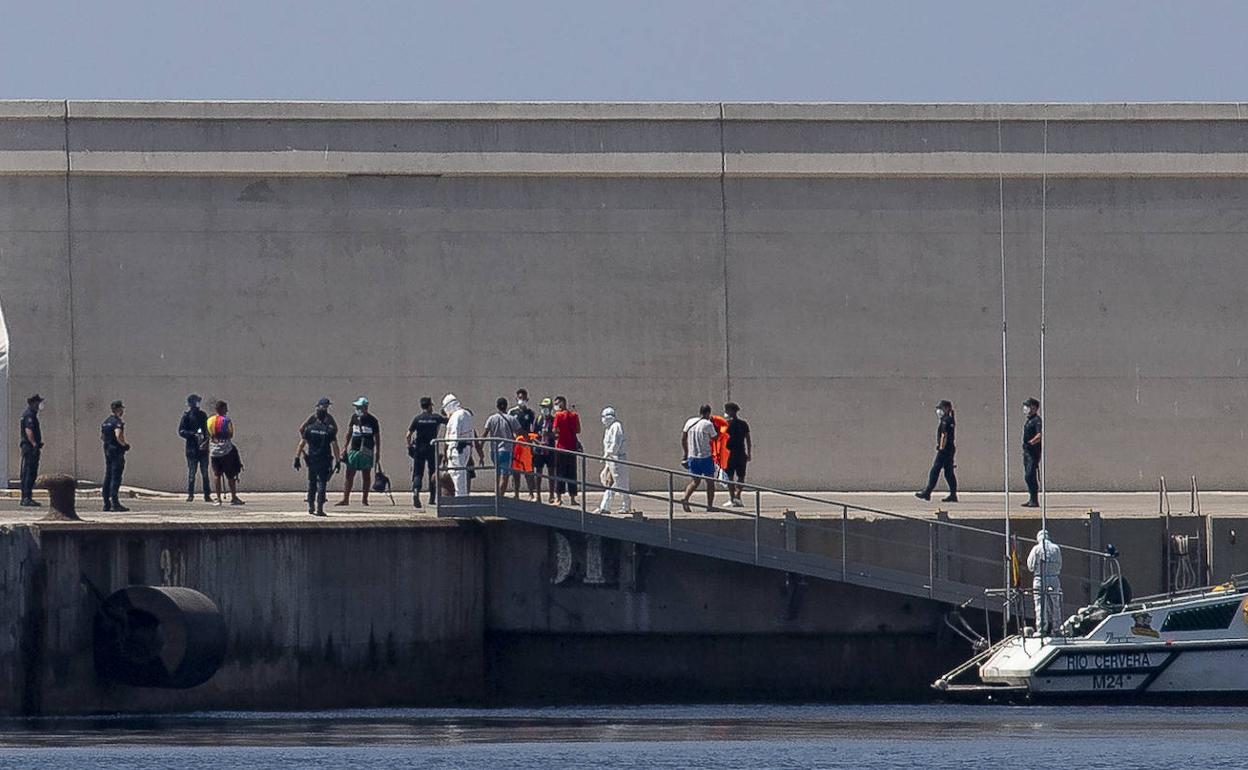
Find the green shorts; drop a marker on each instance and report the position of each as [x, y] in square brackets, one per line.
[359, 460]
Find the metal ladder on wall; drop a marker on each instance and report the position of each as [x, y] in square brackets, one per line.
[1186, 561]
[929, 558]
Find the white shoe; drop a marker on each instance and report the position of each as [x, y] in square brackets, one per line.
[601, 511]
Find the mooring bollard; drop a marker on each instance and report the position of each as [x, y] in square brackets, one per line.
[61, 490]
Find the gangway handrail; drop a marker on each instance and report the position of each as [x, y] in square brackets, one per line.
[756, 488]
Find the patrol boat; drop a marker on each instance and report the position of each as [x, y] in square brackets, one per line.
[1192, 645]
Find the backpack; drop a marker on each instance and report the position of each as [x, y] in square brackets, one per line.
[381, 483]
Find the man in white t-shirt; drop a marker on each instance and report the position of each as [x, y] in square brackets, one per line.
[696, 443]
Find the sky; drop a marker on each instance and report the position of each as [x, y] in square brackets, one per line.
[626, 50]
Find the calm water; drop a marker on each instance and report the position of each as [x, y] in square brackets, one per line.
[931, 737]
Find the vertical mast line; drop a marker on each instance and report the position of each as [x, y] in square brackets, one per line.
[1005, 370]
[1044, 263]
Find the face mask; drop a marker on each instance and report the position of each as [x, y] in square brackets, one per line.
[546, 411]
[359, 412]
[607, 421]
[940, 412]
[40, 407]
[1026, 410]
[522, 402]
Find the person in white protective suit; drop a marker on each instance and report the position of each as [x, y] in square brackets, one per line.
[1045, 561]
[614, 474]
[460, 437]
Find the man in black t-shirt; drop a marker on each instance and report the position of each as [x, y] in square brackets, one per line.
[945, 452]
[194, 431]
[1032, 436]
[31, 445]
[544, 452]
[523, 413]
[318, 447]
[363, 450]
[113, 436]
[740, 449]
[420, 436]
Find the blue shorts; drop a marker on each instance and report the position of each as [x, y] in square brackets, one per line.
[702, 466]
[502, 460]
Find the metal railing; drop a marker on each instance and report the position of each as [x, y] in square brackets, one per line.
[953, 558]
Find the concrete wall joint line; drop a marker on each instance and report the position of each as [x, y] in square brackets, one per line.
[69, 283]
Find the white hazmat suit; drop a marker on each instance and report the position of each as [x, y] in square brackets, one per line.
[614, 448]
[1045, 561]
[459, 435]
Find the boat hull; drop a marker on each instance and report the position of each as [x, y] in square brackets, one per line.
[1185, 649]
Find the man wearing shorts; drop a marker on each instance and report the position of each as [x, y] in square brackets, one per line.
[222, 453]
[740, 447]
[363, 450]
[696, 440]
[502, 425]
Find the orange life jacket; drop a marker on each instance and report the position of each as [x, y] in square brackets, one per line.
[719, 444]
[522, 453]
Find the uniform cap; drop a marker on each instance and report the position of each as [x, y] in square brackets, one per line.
[324, 401]
[193, 399]
[547, 402]
[361, 401]
[34, 399]
[1031, 402]
[116, 405]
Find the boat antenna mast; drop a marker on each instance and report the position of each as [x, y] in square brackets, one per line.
[1005, 383]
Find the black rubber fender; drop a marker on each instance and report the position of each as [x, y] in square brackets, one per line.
[158, 636]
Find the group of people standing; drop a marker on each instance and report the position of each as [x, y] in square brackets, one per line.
[946, 450]
[318, 450]
[716, 447]
[523, 443]
[209, 443]
[526, 446]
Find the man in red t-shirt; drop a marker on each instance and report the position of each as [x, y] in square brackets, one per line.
[567, 426]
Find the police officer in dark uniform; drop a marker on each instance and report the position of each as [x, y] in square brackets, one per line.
[420, 447]
[318, 447]
[113, 434]
[31, 444]
[1032, 435]
[945, 451]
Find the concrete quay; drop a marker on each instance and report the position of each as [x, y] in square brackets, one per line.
[270, 507]
[385, 606]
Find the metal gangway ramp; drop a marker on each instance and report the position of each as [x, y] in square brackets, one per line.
[803, 534]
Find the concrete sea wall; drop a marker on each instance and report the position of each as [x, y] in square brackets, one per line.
[834, 268]
[331, 615]
[317, 617]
